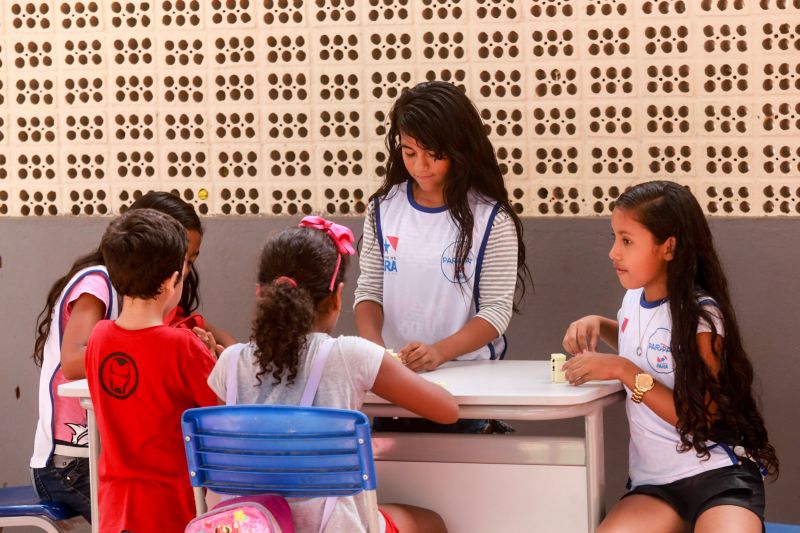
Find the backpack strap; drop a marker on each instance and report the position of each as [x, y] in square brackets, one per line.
[317, 369]
[327, 511]
[232, 385]
[314, 378]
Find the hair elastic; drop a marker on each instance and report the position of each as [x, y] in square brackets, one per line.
[342, 237]
[285, 279]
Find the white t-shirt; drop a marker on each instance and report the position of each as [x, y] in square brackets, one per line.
[653, 455]
[349, 374]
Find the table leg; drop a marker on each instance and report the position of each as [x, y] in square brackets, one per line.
[595, 469]
[94, 455]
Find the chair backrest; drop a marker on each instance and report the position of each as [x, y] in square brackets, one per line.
[276, 449]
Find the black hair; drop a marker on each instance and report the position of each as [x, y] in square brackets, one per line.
[668, 209]
[184, 213]
[287, 309]
[45, 318]
[160, 201]
[141, 249]
[442, 119]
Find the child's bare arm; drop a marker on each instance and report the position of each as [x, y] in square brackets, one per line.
[584, 334]
[369, 321]
[403, 387]
[87, 311]
[476, 333]
[222, 336]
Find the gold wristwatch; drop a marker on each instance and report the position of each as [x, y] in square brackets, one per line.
[643, 383]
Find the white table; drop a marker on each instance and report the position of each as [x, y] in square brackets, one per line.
[511, 390]
[439, 470]
[80, 389]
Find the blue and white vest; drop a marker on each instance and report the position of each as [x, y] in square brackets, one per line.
[61, 428]
[422, 299]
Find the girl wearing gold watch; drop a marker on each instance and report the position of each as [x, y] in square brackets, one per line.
[698, 449]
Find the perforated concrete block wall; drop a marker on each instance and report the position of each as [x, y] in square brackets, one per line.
[279, 106]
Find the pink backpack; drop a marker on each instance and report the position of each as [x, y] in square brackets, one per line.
[247, 514]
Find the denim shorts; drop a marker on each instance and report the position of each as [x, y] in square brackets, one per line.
[65, 480]
[740, 485]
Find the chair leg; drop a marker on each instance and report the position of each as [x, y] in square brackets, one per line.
[372, 510]
[41, 522]
[199, 500]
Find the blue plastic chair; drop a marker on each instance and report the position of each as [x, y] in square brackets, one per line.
[782, 528]
[19, 506]
[275, 449]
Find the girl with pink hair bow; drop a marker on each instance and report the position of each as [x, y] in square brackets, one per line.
[300, 282]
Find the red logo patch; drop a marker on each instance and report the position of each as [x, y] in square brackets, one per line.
[624, 325]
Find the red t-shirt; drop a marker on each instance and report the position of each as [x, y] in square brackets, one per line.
[141, 382]
[177, 319]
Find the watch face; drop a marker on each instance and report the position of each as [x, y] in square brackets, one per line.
[645, 380]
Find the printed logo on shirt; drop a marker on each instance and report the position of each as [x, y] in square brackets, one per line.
[80, 434]
[390, 253]
[119, 375]
[624, 324]
[449, 261]
[658, 352]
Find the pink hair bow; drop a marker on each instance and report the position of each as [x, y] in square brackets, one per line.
[342, 237]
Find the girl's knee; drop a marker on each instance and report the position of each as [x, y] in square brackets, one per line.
[413, 519]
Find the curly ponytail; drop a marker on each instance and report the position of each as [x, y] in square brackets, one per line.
[285, 314]
[288, 308]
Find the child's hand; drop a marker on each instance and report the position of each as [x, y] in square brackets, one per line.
[591, 366]
[208, 339]
[582, 335]
[420, 357]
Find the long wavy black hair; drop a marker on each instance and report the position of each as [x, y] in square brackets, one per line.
[184, 213]
[442, 119]
[164, 202]
[286, 313]
[667, 210]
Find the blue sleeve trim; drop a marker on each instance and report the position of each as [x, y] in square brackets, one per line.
[376, 206]
[708, 301]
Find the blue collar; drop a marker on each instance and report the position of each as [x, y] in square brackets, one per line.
[415, 205]
[651, 305]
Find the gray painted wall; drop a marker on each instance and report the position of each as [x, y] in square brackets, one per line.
[568, 258]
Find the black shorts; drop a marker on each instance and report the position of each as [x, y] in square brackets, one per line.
[740, 485]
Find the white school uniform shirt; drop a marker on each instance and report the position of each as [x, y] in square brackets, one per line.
[422, 299]
[653, 450]
[61, 428]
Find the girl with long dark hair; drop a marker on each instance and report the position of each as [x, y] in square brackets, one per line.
[442, 254]
[698, 447]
